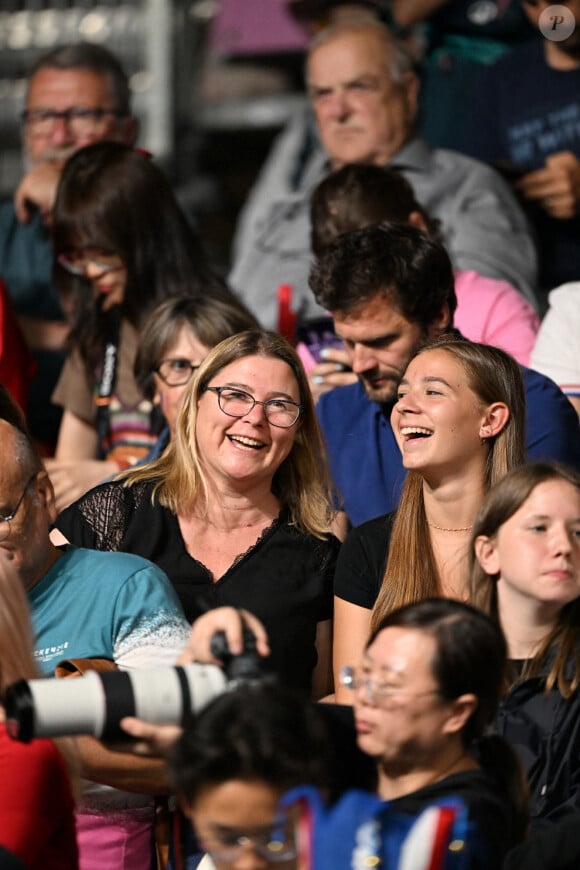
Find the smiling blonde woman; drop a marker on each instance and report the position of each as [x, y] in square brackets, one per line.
[237, 511]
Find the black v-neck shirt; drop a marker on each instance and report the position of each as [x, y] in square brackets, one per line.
[285, 579]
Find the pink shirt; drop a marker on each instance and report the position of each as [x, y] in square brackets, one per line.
[493, 312]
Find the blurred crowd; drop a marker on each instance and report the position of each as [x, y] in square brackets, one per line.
[361, 445]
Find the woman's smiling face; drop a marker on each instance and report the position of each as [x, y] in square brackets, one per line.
[249, 448]
[438, 420]
[111, 284]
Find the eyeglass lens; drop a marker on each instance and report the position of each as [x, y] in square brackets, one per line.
[238, 403]
[275, 845]
[77, 264]
[80, 121]
[176, 372]
[5, 521]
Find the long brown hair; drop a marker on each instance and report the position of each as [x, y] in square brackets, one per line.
[301, 483]
[115, 199]
[411, 573]
[560, 645]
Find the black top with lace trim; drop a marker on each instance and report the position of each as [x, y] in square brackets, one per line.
[285, 578]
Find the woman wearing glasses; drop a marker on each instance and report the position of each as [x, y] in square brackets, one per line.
[122, 246]
[237, 510]
[176, 338]
[427, 689]
[231, 766]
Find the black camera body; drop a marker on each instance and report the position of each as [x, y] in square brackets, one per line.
[95, 703]
[247, 667]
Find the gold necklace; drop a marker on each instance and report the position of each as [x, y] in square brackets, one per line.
[443, 529]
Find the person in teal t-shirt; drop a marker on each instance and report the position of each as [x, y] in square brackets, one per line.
[89, 604]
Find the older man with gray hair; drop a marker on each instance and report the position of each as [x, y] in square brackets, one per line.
[364, 91]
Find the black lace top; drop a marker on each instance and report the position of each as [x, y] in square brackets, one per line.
[285, 578]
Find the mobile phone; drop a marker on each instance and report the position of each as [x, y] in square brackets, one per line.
[316, 334]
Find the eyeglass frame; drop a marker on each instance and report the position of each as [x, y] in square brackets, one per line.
[268, 403]
[261, 848]
[29, 116]
[375, 692]
[81, 272]
[9, 518]
[192, 368]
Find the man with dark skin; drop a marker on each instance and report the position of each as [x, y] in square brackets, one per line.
[87, 604]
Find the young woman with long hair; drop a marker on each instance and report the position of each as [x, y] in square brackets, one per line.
[525, 573]
[459, 422]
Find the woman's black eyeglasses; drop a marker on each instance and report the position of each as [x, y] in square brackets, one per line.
[175, 371]
[237, 403]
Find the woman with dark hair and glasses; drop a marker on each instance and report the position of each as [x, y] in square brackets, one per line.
[122, 246]
[237, 510]
[424, 694]
[176, 338]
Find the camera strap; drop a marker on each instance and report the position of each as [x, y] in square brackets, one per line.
[79, 667]
[106, 387]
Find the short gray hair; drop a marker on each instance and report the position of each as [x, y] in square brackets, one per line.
[398, 60]
[94, 58]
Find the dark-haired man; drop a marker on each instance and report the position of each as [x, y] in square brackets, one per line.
[390, 289]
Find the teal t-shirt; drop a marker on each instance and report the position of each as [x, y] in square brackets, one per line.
[106, 605]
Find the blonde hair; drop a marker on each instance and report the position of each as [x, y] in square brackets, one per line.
[411, 573]
[502, 502]
[301, 483]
